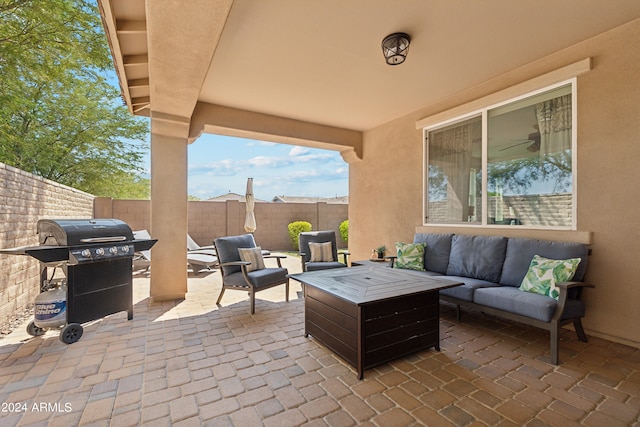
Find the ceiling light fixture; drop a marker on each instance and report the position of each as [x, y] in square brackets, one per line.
[395, 48]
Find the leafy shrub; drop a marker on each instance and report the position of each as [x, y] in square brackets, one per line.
[295, 228]
[344, 230]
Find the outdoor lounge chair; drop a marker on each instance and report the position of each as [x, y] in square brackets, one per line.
[249, 275]
[313, 257]
[197, 261]
[194, 248]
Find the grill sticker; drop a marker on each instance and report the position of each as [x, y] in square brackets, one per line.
[50, 310]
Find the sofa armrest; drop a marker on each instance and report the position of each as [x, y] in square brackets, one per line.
[564, 294]
[569, 285]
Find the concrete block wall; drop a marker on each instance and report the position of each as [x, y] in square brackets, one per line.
[24, 199]
[211, 219]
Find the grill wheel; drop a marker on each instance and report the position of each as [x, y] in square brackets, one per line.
[71, 333]
[33, 330]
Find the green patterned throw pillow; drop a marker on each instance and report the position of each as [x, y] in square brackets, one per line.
[410, 256]
[544, 273]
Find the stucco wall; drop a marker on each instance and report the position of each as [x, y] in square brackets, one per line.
[391, 174]
[211, 219]
[24, 199]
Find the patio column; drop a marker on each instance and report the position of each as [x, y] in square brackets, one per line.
[168, 215]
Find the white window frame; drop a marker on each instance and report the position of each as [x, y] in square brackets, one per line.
[483, 112]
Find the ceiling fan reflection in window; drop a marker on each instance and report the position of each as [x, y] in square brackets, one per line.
[533, 138]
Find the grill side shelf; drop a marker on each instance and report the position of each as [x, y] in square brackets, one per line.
[48, 254]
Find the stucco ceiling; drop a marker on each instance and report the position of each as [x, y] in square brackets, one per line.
[321, 61]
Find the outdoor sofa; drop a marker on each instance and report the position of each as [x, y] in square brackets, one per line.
[492, 269]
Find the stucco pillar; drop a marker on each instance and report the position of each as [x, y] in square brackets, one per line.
[168, 217]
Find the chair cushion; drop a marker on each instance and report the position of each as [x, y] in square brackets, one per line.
[436, 252]
[227, 249]
[316, 237]
[410, 256]
[520, 252]
[544, 273]
[479, 257]
[258, 278]
[252, 255]
[321, 252]
[465, 292]
[313, 266]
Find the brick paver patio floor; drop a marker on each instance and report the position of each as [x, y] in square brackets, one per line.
[190, 363]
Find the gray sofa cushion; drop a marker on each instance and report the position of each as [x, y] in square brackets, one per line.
[513, 300]
[479, 257]
[535, 306]
[520, 252]
[436, 254]
[465, 292]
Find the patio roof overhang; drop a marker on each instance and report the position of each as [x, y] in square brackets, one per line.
[311, 73]
[314, 72]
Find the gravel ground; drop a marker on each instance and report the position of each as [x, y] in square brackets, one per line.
[18, 319]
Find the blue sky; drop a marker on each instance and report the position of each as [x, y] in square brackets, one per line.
[221, 164]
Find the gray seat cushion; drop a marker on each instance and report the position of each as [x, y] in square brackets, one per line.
[479, 257]
[510, 299]
[436, 254]
[527, 304]
[314, 266]
[258, 278]
[520, 252]
[465, 292]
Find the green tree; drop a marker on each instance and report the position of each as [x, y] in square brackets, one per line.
[60, 118]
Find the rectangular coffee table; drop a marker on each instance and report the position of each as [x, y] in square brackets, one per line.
[371, 314]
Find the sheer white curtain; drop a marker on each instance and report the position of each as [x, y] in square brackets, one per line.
[554, 124]
[451, 151]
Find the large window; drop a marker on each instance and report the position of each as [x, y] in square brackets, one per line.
[511, 164]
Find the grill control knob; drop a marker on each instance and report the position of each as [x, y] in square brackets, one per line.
[125, 249]
[86, 253]
[113, 250]
[100, 251]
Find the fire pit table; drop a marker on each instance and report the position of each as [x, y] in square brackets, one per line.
[371, 314]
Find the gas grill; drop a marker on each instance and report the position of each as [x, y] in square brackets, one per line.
[95, 257]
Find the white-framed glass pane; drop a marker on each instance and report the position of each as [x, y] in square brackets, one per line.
[454, 173]
[529, 161]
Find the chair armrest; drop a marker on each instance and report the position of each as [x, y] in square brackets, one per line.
[277, 258]
[345, 254]
[303, 264]
[236, 263]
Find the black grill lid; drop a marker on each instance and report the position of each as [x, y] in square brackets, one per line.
[74, 232]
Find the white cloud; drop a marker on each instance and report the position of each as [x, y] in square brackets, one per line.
[268, 162]
[298, 151]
